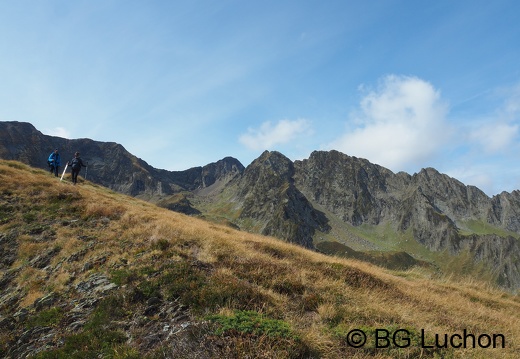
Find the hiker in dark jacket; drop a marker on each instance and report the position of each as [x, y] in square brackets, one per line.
[75, 164]
[54, 162]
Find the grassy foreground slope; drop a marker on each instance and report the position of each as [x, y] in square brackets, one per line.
[87, 273]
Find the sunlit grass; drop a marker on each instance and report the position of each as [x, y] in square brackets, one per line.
[310, 300]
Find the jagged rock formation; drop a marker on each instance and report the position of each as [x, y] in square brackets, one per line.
[298, 201]
[268, 194]
[434, 206]
[353, 189]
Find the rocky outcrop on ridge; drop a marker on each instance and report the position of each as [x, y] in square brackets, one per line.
[269, 195]
[353, 189]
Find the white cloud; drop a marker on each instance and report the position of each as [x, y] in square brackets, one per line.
[493, 137]
[399, 124]
[498, 133]
[58, 132]
[475, 174]
[490, 174]
[269, 135]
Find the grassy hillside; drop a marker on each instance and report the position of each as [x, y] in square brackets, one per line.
[379, 244]
[87, 272]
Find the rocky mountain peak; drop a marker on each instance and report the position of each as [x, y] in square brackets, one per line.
[223, 169]
[274, 163]
[269, 195]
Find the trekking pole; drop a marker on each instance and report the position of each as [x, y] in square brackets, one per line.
[86, 171]
[65, 170]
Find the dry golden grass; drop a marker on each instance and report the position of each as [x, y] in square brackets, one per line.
[321, 297]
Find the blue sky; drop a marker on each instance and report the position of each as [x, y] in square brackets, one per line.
[404, 84]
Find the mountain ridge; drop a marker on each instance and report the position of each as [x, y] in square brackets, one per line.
[111, 165]
[328, 197]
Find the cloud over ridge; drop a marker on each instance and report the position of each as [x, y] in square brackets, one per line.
[401, 122]
[270, 135]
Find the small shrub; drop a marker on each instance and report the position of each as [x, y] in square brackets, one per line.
[111, 308]
[224, 290]
[29, 217]
[288, 286]
[333, 314]
[87, 345]
[182, 280]
[161, 244]
[122, 277]
[250, 322]
[149, 289]
[249, 332]
[203, 291]
[46, 318]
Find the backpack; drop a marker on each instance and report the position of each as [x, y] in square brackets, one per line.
[54, 159]
[75, 164]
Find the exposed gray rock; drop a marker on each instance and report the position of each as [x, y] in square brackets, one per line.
[268, 194]
[353, 189]
[7, 322]
[8, 250]
[43, 260]
[46, 301]
[502, 252]
[96, 283]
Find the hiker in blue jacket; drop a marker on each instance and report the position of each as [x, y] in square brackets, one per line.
[54, 162]
[76, 163]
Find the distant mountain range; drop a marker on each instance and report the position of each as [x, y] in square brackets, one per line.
[331, 202]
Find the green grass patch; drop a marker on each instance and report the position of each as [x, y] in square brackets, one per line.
[30, 217]
[99, 338]
[123, 276]
[480, 227]
[220, 209]
[251, 322]
[251, 334]
[182, 280]
[203, 291]
[46, 318]
[195, 284]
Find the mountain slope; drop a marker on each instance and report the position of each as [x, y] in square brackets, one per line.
[329, 197]
[347, 201]
[110, 164]
[87, 272]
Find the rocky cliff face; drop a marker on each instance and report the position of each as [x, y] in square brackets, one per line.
[268, 194]
[504, 211]
[502, 254]
[434, 206]
[361, 192]
[351, 188]
[298, 201]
